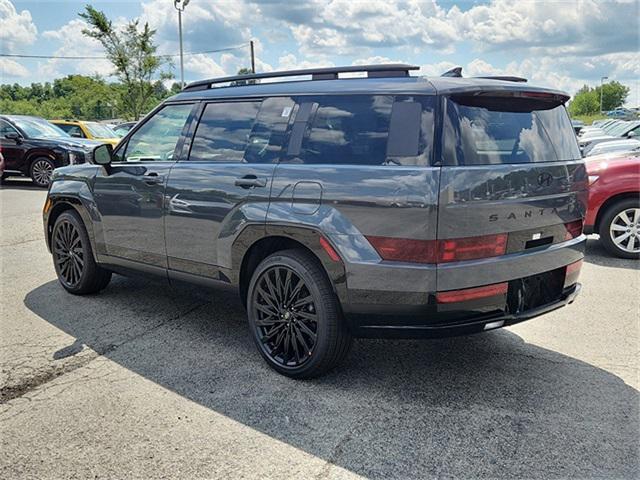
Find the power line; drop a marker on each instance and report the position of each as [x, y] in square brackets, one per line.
[58, 57]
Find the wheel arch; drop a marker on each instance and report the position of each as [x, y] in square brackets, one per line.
[61, 205]
[612, 201]
[254, 245]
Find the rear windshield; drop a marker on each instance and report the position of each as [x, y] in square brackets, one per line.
[489, 130]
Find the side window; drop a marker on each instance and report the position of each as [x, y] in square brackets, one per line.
[345, 130]
[268, 135]
[411, 131]
[5, 129]
[223, 132]
[156, 139]
[72, 130]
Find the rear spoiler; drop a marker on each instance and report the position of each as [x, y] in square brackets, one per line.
[533, 95]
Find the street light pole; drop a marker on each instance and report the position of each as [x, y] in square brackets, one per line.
[601, 89]
[180, 6]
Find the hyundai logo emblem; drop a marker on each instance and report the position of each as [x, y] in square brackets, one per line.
[545, 179]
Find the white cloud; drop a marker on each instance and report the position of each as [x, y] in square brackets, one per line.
[16, 29]
[11, 69]
[71, 39]
[204, 66]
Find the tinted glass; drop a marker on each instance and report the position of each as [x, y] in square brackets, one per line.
[347, 130]
[100, 131]
[72, 130]
[223, 132]
[6, 129]
[411, 131]
[268, 134]
[485, 130]
[156, 139]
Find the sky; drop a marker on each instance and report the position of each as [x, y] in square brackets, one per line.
[562, 44]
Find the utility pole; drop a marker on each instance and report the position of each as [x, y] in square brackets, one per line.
[180, 6]
[253, 58]
[601, 89]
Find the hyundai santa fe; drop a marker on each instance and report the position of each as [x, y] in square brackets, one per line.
[386, 206]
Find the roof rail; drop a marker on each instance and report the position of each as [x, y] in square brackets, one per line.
[331, 73]
[506, 78]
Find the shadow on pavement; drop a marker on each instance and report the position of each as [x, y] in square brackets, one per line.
[480, 406]
[19, 183]
[597, 255]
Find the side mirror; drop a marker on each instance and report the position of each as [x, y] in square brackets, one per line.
[14, 136]
[632, 134]
[76, 135]
[103, 154]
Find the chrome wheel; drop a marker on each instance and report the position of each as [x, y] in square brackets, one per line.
[41, 172]
[285, 316]
[625, 230]
[68, 253]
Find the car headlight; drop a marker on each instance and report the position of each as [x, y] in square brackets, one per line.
[76, 158]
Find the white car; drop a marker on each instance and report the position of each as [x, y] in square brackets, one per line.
[618, 146]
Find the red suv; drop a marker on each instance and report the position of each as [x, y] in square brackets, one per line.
[614, 202]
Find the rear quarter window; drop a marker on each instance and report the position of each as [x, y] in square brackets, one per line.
[486, 130]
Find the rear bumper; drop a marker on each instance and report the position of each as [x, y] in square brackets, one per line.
[392, 299]
[477, 325]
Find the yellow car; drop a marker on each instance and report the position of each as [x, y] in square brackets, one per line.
[90, 130]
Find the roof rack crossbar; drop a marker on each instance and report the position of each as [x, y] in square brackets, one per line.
[331, 73]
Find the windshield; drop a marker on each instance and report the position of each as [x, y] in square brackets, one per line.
[39, 128]
[488, 130]
[100, 131]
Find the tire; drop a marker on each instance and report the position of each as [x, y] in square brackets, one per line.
[308, 337]
[77, 272]
[40, 171]
[619, 229]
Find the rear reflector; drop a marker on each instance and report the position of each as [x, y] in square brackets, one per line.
[470, 248]
[443, 251]
[572, 273]
[574, 229]
[405, 250]
[326, 246]
[467, 294]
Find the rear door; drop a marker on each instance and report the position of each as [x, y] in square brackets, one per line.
[224, 182]
[512, 176]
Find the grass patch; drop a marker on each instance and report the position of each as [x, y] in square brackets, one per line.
[589, 119]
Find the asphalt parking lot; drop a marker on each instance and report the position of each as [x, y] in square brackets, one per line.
[150, 382]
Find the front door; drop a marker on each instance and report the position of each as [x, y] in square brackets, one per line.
[130, 192]
[13, 149]
[224, 183]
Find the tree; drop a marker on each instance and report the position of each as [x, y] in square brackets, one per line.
[133, 54]
[614, 94]
[586, 101]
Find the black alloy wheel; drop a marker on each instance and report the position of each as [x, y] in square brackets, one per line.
[285, 316]
[73, 258]
[295, 316]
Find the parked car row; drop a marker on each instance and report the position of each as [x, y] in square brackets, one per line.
[608, 131]
[34, 147]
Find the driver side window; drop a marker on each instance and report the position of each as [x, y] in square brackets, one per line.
[156, 139]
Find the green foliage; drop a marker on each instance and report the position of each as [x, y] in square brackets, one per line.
[75, 97]
[133, 54]
[587, 100]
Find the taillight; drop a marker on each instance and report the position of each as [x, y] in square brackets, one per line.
[442, 251]
[572, 273]
[470, 248]
[453, 296]
[404, 249]
[574, 229]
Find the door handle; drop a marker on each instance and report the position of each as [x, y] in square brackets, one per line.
[250, 181]
[152, 178]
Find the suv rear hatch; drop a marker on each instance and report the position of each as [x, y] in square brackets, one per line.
[513, 190]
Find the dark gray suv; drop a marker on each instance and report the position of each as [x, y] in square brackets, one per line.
[385, 206]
